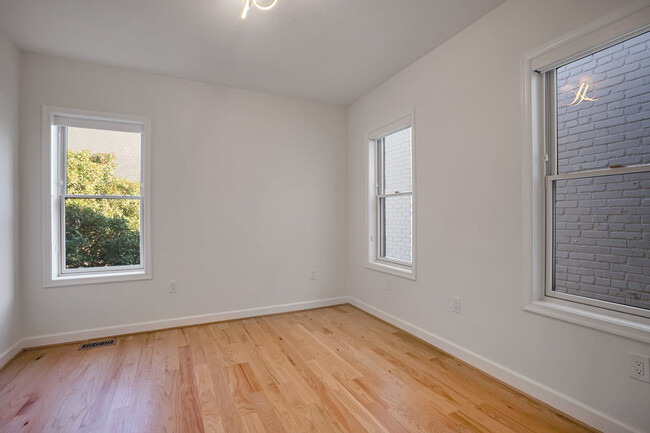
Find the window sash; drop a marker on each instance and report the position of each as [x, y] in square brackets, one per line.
[381, 231]
[107, 197]
[395, 194]
[102, 270]
[380, 196]
[62, 123]
[550, 238]
[94, 123]
[550, 122]
[550, 134]
[62, 148]
[99, 269]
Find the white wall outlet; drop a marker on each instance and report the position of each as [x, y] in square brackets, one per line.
[388, 285]
[456, 305]
[640, 367]
[313, 275]
[173, 286]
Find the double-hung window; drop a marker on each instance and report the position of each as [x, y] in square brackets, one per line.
[591, 123]
[598, 178]
[391, 199]
[97, 224]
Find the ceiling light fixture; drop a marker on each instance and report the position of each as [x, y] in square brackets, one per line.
[250, 3]
[581, 95]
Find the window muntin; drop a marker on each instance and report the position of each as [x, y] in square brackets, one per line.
[98, 202]
[598, 178]
[394, 195]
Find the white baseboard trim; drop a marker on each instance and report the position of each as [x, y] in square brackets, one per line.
[9, 354]
[556, 399]
[109, 331]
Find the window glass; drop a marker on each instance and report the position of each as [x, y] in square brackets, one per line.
[103, 162]
[397, 229]
[602, 238]
[397, 162]
[101, 232]
[603, 108]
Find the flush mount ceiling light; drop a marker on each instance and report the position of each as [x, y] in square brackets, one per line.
[266, 5]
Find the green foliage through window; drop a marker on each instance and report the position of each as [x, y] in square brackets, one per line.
[100, 232]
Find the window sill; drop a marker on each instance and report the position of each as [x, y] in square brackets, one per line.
[98, 278]
[633, 327]
[407, 272]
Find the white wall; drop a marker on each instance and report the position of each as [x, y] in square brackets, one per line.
[10, 320]
[248, 194]
[467, 96]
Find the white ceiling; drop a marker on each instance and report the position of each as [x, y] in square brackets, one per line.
[324, 50]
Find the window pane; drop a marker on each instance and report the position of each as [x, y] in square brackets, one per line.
[397, 224]
[397, 162]
[602, 238]
[101, 233]
[603, 108]
[103, 162]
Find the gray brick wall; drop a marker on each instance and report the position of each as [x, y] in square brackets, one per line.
[602, 237]
[397, 163]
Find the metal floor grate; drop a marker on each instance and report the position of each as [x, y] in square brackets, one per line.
[97, 344]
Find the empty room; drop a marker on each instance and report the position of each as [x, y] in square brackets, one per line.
[341, 216]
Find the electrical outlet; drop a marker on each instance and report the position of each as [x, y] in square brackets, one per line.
[173, 286]
[388, 285]
[456, 305]
[640, 367]
[313, 274]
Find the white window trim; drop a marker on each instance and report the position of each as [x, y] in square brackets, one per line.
[621, 24]
[374, 262]
[53, 276]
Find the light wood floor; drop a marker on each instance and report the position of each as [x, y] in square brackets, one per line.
[329, 370]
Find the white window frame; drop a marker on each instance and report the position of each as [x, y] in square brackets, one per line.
[375, 261]
[608, 30]
[54, 172]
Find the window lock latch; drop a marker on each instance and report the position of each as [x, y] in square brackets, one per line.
[545, 157]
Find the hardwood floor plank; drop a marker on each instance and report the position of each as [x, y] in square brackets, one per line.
[209, 406]
[150, 397]
[379, 410]
[171, 382]
[19, 424]
[330, 370]
[97, 415]
[267, 413]
[31, 397]
[348, 411]
[14, 368]
[254, 424]
[189, 418]
[219, 383]
[121, 409]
